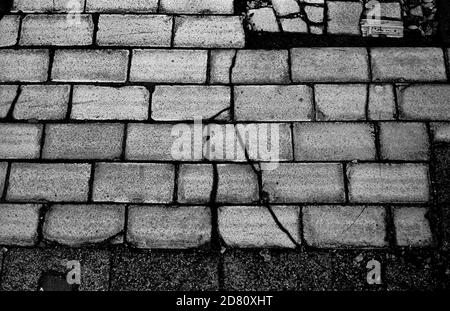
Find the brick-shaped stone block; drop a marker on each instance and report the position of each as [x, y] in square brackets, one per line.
[294, 25]
[134, 30]
[122, 6]
[328, 141]
[3, 171]
[197, 6]
[329, 65]
[42, 102]
[155, 142]
[20, 141]
[285, 7]
[190, 102]
[9, 25]
[344, 226]
[220, 62]
[238, 183]
[412, 228]
[261, 67]
[441, 132]
[404, 141]
[76, 225]
[388, 183]
[273, 103]
[54, 182]
[7, 95]
[340, 102]
[92, 102]
[28, 65]
[381, 104]
[19, 224]
[304, 182]
[31, 6]
[169, 227]
[83, 141]
[56, 29]
[209, 32]
[424, 102]
[169, 66]
[133, 182]
[344, 17]
[195, 183]
[408, 64]
[255, 226]
[90, 65]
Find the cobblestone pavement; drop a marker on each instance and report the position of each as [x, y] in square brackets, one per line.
[102, 165]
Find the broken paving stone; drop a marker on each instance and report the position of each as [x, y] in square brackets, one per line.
[263, 19]
[315, 14]
[285, 7]
[294, 25]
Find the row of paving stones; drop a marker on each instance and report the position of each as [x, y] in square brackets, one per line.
[126, 6]
[123, 30]
[303, 142]
[122, 269]
[242, 103]
[185, 66]
[182, 227]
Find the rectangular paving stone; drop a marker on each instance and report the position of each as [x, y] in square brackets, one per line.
[188, 270]
[273, 103]
[327, 141]
[30, 65]
[381, 104]
[261, 67]
[177, 102]
[197, 6]
[209, 32]
[122, 6]
[83, 141]
[336, 226]
[90, 65]
[169, 227]
[340, 102]
[344, 17]
[133, 183]
[169, 66]
[26, 267]
[440, 132]
[42, 102]
[7, 95]
[9, 25]
[54, 29]
[404, 141]
[412, 228]
[54, 182]
[134, 30]
[20, 141]
[246, 269]
[329, 65]
[254, 226]
[19, 224]
[220, 62]
[237, 183]
[424, 102]
[154, 142]
[388, 183]
[3, 171]
[195, 183]
[31, 6]
[304, 182]
[92, 102]
[408, 64]
[75, 225]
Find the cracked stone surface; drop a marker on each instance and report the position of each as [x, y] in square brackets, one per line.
[222, 145]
